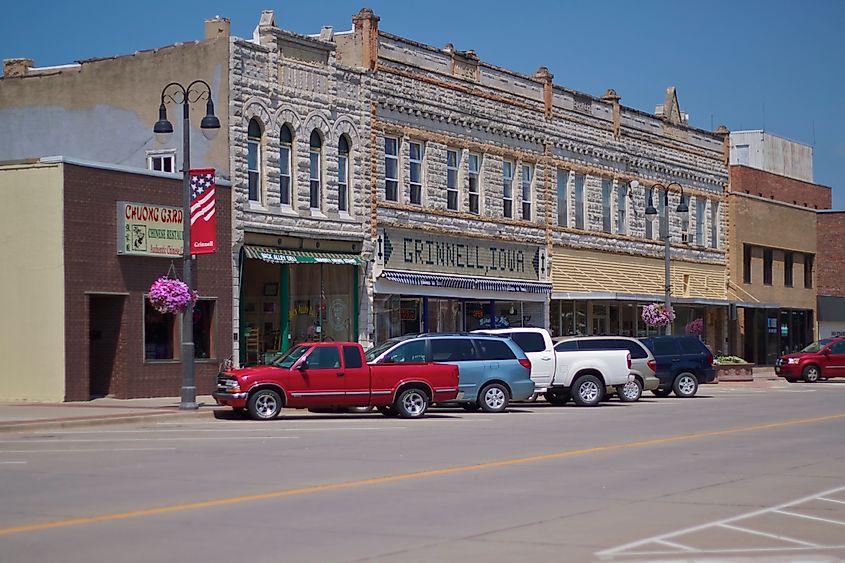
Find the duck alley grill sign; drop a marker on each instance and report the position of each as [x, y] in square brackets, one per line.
[442, 254]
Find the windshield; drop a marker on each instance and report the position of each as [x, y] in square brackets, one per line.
[377, 351]
[289, 358]
[818, 345]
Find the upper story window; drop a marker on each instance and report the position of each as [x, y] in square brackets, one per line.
[315, 170]
[767, 266]
[474, 187]
[391, 169]
[606, 218]
[163, 161]
[579, 201]
[254, 159]
[507, 189]
[285, 164]
[563, 198]
[746, 263]
[527, 178]
[343, 174]
[416, 152]
[452, 162]
[808, 271]
[788, 260]
[622, 208]
[714, 224]
[700, 208]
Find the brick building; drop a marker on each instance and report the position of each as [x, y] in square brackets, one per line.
[76, 322]
[830, 281]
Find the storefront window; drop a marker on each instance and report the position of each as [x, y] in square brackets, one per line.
[204, 328]
[320, 303]
[159, 334]
[445, 315]
[397, 316]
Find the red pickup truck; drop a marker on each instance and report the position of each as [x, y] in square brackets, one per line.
[335, 374]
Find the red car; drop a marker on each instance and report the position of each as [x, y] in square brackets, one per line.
[822, 359]
[335, 374]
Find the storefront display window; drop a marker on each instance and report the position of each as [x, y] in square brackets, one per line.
[204, 328]
[159, 334]
[445, 315]
[320, 303]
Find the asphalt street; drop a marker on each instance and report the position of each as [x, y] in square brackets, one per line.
[733, 474]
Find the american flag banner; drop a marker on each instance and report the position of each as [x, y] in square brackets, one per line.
[203, 213]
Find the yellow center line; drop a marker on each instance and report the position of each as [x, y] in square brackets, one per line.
[406, 476]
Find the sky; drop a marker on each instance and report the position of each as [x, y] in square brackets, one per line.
[748, 64]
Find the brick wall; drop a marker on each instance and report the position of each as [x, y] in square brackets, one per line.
[780, 188]
[92, 267]
[830, 260]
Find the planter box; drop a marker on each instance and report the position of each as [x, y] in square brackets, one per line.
[734, 372]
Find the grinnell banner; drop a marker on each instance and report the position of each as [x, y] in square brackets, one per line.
[144, 229]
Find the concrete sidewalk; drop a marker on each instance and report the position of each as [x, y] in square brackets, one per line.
[22, 417]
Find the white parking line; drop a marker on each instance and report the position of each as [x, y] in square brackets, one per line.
[767, 535]
[78, 451]
[174, 439]
[218, 430]
[12, 462]
[808, 517]
[832, 500]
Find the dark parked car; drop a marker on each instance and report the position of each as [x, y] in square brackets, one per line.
[683, 362]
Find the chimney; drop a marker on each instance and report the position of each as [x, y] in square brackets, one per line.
[16, 67]
[543, 75]
[613, 98]
[365, 23]
[217, 27]
[723, 132]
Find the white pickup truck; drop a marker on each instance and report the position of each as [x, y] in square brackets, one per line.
[583, 375]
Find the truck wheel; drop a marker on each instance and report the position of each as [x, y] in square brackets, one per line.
[411, 403]
[264, 404]
[662, 392]
[494, 398]
[811, 374]
[630, 392]
[686, 385]
[557, 397]
[388, 410]
[587, 391]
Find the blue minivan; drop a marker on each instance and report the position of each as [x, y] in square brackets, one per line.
[683, 362]
[492, 370]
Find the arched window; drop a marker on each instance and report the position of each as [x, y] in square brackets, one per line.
[285, 150]
[316, 169]
[343, 174]
[254, 161]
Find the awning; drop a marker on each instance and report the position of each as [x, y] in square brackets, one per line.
[284, 256]
[460, 282]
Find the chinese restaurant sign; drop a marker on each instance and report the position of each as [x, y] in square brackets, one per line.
[443, 254]
[144, 229]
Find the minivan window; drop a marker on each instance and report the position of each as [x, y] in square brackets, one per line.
[691, 346]
[664, 348]
[452, 350]
[529, 341]
[409, 352]
[491, 349]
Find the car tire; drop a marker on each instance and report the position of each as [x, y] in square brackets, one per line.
[493, 398]
[557, 398]
[662, 392]
[387, 410]
[411, 403]
[811, 374]
[630, 392]
[587, 391]
[470, 407]
[685, 385]
[264, 404]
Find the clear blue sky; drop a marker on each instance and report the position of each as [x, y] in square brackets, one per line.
[755, 64]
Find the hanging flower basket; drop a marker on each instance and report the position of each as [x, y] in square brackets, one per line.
[169, 295]
[695, 327]
[656, 315]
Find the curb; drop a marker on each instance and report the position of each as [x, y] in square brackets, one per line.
[102, 420]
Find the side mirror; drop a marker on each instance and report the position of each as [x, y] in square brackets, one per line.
[826, 351]
[302, 366]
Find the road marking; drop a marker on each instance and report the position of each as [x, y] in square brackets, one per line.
[263, 429]
[11, 462]
[345, 485]
[170, 439]
[675, 545]
[767, 535]
[832, 500]
[78, 451]
[808, 517]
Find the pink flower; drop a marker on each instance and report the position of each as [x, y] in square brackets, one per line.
[171, 295]
[656, 315]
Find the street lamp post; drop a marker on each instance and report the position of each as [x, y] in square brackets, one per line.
[650, 212]
[210, 125]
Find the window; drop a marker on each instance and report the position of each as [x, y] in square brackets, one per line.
[579, 201]
[507, 189]
[529, 341]
[324, 357]
[808, 271]
[163, 161]
[474, 189]
[285, 150]
[649, 219]
[254, 160]
[746, 263]
[665, 348]
[159, 334]
[343, 174]
[204, 328]
[691, 346]
[661, 214]
[452, 179]
[494, 349]
[767, 266]
[566, 346]
[714, 224]
[352, 357]
[742, 155]
[527, 176]
[452, 350]
[606, 219]
[415, 156]
[391, 169]
[562, 198]
[700, 208]
[787, 269]
[413, 351]
[622, 208]
[315, 170]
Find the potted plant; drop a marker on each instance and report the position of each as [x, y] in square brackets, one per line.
[171, 295]
[733, 368]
